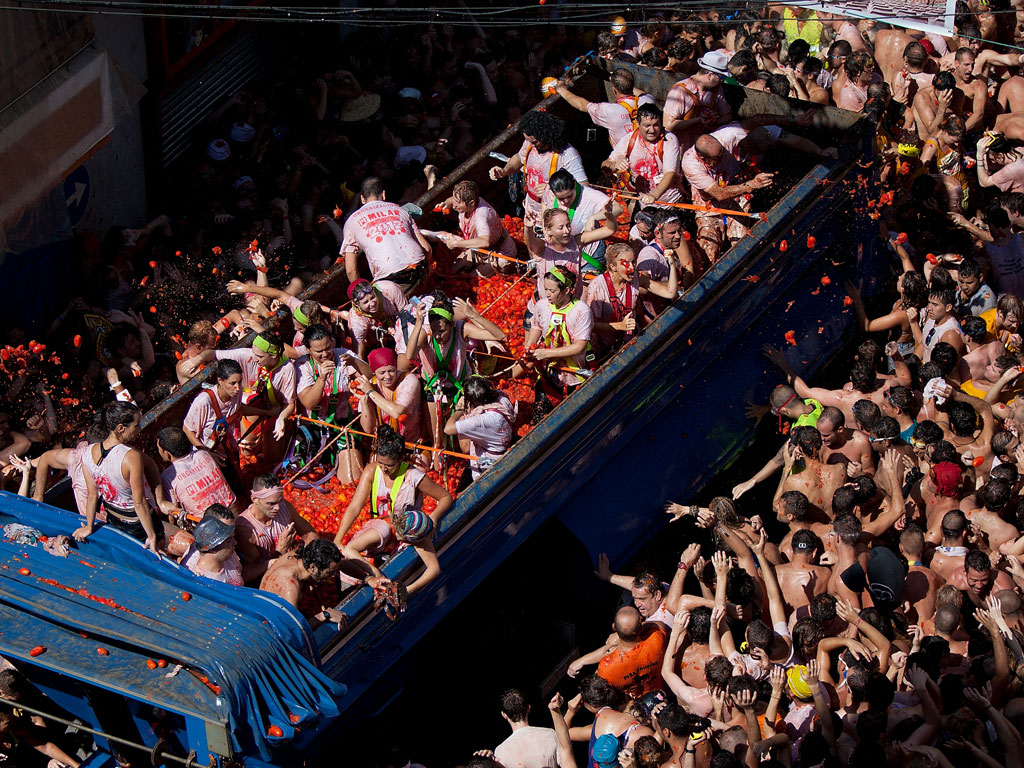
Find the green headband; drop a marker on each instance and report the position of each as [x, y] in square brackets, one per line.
[442, 312]
[299, 315]
[556, 272]
[271, 349]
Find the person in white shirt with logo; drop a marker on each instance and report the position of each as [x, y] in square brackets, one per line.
[648, 159]
[386, 234]
[619, 115]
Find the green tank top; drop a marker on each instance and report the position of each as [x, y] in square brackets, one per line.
[809, 419]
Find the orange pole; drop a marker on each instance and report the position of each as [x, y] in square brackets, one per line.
[685, 206]
[415, 446]
[497, 255]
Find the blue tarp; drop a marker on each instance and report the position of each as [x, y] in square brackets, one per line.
[254, 649]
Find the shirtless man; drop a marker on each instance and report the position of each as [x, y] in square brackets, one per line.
[974, 88]
[890, 52]
[922, 582]
[314, 562]
[844, 446]
[947, 626]
[933, 103]
[801, 580]
[818, 481]
[269, 528]
[978, 579]
[793, 509]
[941, 491]
[995, 495]
[948, 557]
[916, 74]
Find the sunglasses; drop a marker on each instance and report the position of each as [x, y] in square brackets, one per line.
[919, 444]
[878, 439]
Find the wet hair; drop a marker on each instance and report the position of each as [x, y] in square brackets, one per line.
[563, 277]
[739, 586]
[545, 127]
[974, 328]
[963, 419]
[912, 541]
[947, 618]
[311, 309]
[441, 301]
[759, 635]
[855, 64]
[865, 413]
[744, 59]
[840, 48]
[848, 528]
[467, 191]
[796, 504]
[863, 376]
[319, 552]
[915, 54]
[901, 397]
[598, 692]
[823, 608]
[316, 332]
[808, 439]
[680, 49]
[174, 441]
[1010, 304]
[886, 427]
[700, 624]
[969, 267]
[798, 51]
[389, 442]
[944, 294]
[273, 338]
[717, 671]
[562, 181]
[977, 561]
[606, 42]
[871, 351]
[927, 432]
[648, 581]
[781, 395]
[551, 214]
[647, 751]
[480, 391]
[622, 81]
[675, 719]
[943, 450]
[812, 66]
[227, 368]
[1007, 472]
[833, 416]
[807, 633]
[220, 512]
[264, 481]
[944, 81]
[945, 356]
[807, 541]
[954, 523]
[914, 290]
[648, 110]
[779, 85]
[996, 494]
[118, 414]
[514, 706]
[724, 510]
[654, 57]
[926, 373]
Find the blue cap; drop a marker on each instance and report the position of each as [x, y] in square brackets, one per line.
[606, 751]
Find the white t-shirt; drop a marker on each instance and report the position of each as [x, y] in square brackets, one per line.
[362, 327]
[649, 164]
[386, 233]
[529, 747]
[730, 136]
[202, 416]
[484, 222]
[615, 116]
[489, 430]
[337, 391]
[591, 201]
[537, 168]
[579, 322]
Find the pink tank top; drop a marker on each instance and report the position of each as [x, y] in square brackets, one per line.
[265, 535]
[77, 476]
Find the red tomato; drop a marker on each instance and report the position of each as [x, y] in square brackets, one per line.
[275, 731]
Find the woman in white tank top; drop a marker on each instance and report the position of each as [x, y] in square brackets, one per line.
[115, 477]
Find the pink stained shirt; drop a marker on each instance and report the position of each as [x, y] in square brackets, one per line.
[194, 482]
[682, 97]
[1010, 178]
[551, 258]
[599, 299]
[344, 373]
[282, 379]
[730, 136]
[852, 97]
[386, 234]
[484, 222]
[409, 393]
[701, 177]
[429, 361]
[202, 416]
[362, 327]
[614, 115]
[648, 165]
[537, 168]
[579, 322]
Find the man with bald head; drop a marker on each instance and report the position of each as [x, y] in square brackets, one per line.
[1010, 606]
[634, 666]
[710, 171]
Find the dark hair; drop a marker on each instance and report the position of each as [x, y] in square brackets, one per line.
[674, 718]
[844, 501]
[954, 523]
[863, 376]
[944, 81]
[220, 512]
[680, 48]
[879, 692]
[389, 442]
[319, 552]
[969, 267]
[273, 338]
[914, 290]
[807, 633]
[865, 412]
[717, 671]
[974, 328]
[823, 608]
[856, 63]
[915, 54]
[926, 373]
[118, 414]
[598, 692]
[807, 540]
[264, 481]
[848, 528]
[480, 391]
[833, 416]
[648, 581]
[885, 427]
[796, 504]
[562, 181]
[174, 441]
[943, 450]
[564, 278]
[759, 635]
[977, 560]
[648, 109]
[316, 332]
[812, 66]
[372, 186]
[996, 495]
[840, 48]
[901, 397]
[545, 127]
[945, 356]
[927, 432]
[798, 50]
[654, 57]
[227, 368]
[513, 704]
[963, 419]
[944, 295]
[700, 624]
[116, 338]
[808, 439]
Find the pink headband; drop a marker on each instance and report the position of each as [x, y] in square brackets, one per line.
[266, 493]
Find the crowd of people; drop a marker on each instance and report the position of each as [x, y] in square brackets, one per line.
[875, 617]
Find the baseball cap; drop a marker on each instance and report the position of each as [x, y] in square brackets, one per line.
[716, 62]
[606, 751]
[211, 533]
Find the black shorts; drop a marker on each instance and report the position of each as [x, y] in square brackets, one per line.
[409, 278]
[133, 526]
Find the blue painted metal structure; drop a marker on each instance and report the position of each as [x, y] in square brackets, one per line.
[655, 422]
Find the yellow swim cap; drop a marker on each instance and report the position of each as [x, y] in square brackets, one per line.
[797, 684]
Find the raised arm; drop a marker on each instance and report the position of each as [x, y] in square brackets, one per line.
[564, 753]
